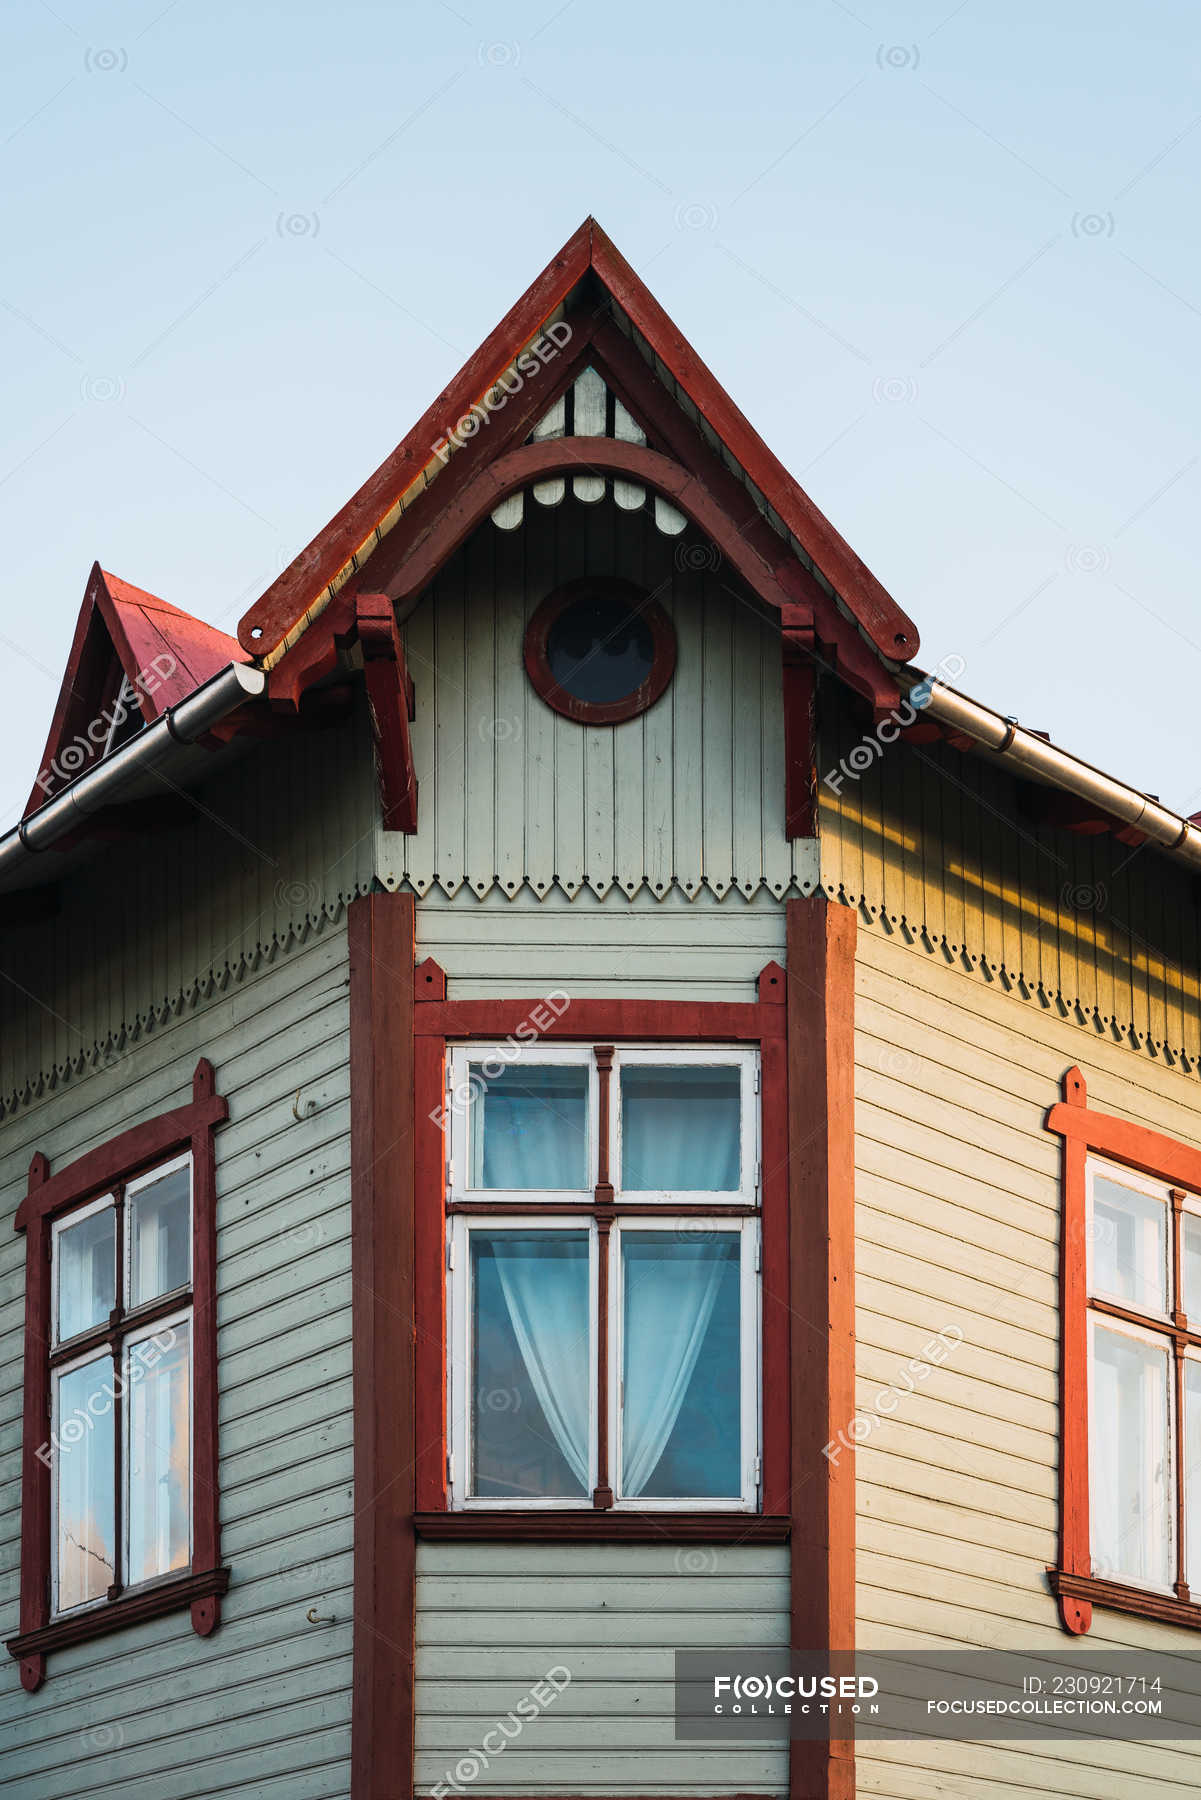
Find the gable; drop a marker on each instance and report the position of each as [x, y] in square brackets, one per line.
[133, 656]
[686, 798]
[588, 293]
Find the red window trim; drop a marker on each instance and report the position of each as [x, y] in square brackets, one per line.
[49, 1195]
[578, 1526]
[597, 712]
[438, 1021]
[1084, 1130]
[400, 1021]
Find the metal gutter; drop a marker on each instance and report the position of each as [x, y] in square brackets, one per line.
[1026, 751]
[105, 784]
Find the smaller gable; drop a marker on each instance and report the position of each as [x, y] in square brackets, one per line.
[132, 657]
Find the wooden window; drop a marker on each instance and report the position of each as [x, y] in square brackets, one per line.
[119, 1487]
[120, 1441]
[600, 650]
[1131, 1369]
[603, 1253]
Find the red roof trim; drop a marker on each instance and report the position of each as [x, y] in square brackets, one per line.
[164, 654]
[290, 594]
[282, 607]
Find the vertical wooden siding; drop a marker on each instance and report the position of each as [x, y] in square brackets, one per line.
[275, 847]
[939, 844]
[261, 1710]
[958, 1219]
[690, 794]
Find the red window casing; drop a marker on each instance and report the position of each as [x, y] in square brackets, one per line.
[1083, 1131]
[50, 1195]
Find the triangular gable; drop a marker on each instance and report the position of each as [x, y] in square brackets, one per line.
[132, 657]
[431, 450]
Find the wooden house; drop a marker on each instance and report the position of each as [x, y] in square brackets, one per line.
[511, 1064]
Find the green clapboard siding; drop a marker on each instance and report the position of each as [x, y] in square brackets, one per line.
[261, 1710]
[670, 949]
[493, 1619]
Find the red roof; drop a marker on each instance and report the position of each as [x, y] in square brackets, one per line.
[280, 613]
[165, 654]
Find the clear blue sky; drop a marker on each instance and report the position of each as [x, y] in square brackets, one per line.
[945, 258]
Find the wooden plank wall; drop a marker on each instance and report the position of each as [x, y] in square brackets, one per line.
[935, 846]
[276, 846]
[492, 1619]
[690, 794]
[669, 949]
[957, 1224]
[260, 1710]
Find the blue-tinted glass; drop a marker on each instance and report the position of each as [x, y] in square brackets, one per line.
[85, 1263]
[680, 1128]
[85, 1532]
[531, 1370]
[529, 1126]
[160, 1452]
[160, 1236]
[682, 1367]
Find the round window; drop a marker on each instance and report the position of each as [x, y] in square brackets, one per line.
[600, 650]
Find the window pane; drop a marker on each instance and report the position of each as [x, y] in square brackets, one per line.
[1131, 1485]
[160, 1236]
[1190, 1256]
[531, 1368]
[1192, 1473]
[682, 1366]
[600, 650]
[160, 1452]
[86, 1266]
[529, 1126]
[680, 1128]
[1129, 1246]
[85, 1535]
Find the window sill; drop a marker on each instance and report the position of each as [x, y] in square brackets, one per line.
[31, 1647]
[1164, 1608]
[604, 1527]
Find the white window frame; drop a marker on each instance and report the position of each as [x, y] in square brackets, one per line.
[1192, 1551]
[1140, 1184]
[462, 1056]
[98, 1354]
[750, 1354]
[673, 1057]
[458, 1063]
[103, 1202]
[141, 1335]
[461, 1350]
[132, 1188]
[134, 1332]
[1157, 1341]
[537, 1210]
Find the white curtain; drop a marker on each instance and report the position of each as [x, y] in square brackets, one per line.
[533, 1126]
[1131, 1461]
[669, 1300]
[680, 1129]
[551, 1330]
[160, 1228]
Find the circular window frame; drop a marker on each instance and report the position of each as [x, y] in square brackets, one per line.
[600, 712]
